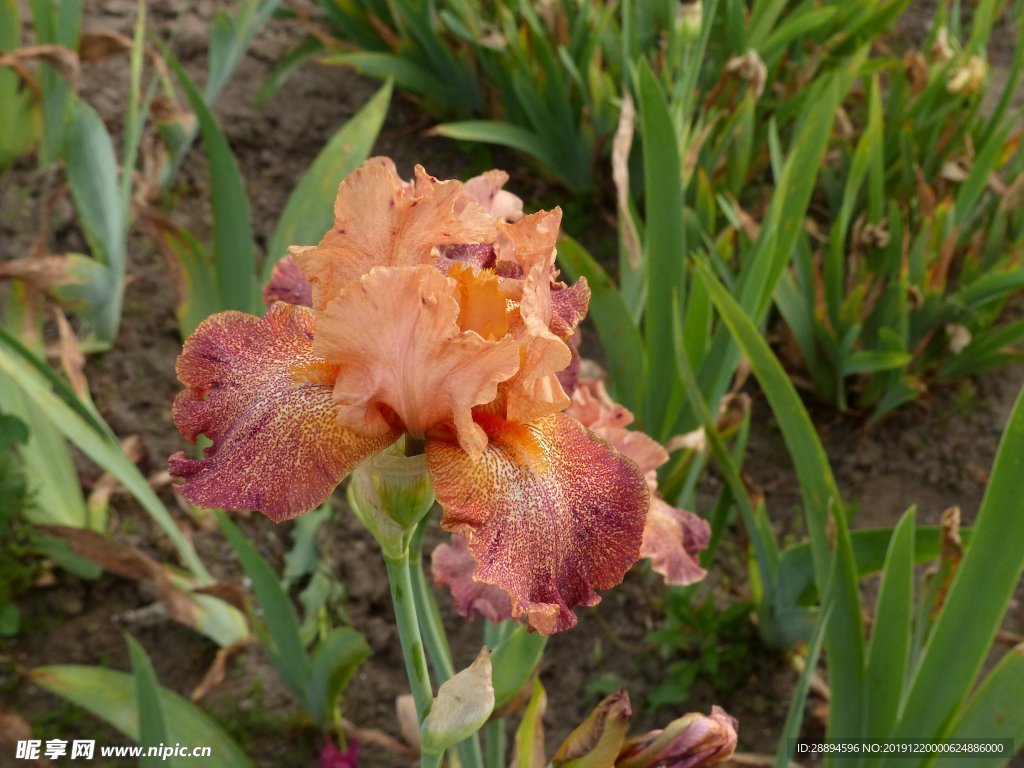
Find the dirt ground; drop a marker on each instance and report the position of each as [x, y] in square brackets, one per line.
[933, 453]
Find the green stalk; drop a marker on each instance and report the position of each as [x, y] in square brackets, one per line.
[495, 735]
[427, 610]
[495, 743]
[434, 636]
[402, 596]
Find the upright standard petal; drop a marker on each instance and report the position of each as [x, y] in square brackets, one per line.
[486, 190]
[257, 391]
[535, 391]
[380, 220]
[550, 512]
[405, 361]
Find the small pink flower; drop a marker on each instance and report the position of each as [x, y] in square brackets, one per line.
[332, 757]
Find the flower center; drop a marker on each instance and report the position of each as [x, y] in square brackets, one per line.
[483, 306]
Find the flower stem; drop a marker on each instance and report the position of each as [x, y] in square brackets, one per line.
[435, 637]
[403, 598]
[426, 609]
[495, 736]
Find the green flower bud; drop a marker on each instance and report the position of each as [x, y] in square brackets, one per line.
[390, 493]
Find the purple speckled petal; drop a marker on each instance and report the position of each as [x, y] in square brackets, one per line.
[255, 389]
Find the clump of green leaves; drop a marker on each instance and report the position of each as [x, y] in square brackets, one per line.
[543, 81]
[920, 228]
[15, 575]
[702, 642]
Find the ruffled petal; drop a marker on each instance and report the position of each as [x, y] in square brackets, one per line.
[569, 377]
[453, 566]
[672, 539]
[257, 391]
[550, 512]
[529, 241]
[486, 191]
[403, 358]
[535, 391]
[380, 220]
[288, 284]
[569, 304]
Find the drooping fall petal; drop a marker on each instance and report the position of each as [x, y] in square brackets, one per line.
[550, 513]
[380, 220]
[672, 539]
[257, 391]
[396, 338]
[453, 566]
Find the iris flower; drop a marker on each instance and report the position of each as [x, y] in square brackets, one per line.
[431, 309]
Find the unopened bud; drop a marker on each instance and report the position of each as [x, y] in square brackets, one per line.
[598, 740]
[694, 740]
[390, 494]
[942, 51]
[461, 707]
[689, 20]
[970, 78]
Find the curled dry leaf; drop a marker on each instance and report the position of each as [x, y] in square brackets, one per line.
[101, 44]
[62, 58]
[42, 273]
[129, 562]
[229, 593]
[72, 361]
[750, 67]
[951, 552]
[621, 147]
[916, 66]
[107, 485]
[377, 738]
[215, 674]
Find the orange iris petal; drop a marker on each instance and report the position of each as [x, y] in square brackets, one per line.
[380, 220]
[255, 389]
[395, 336]
[550, 511]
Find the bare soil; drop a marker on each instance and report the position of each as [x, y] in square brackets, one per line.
[933, 454]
